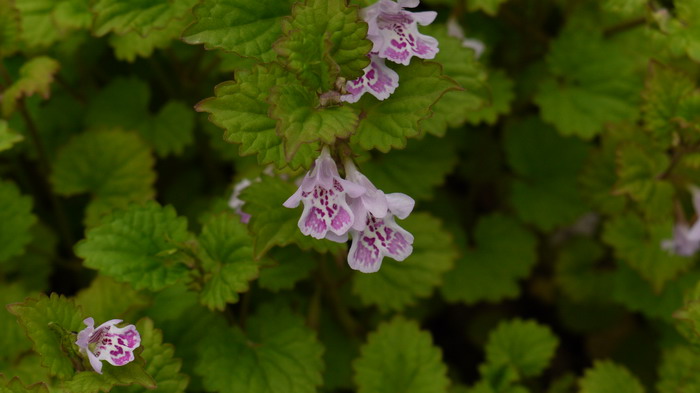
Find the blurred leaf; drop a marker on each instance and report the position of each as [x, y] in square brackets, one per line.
[608, 377]
[14, 385]
[138, 245]
[107, 299]
[577, 273]
[292, 265]
[132, 373]
[132, 45]
[9, 28]
[502, 96]
[490, 7]
[399, 284]
[399, 357]
[8, 137]
[13, 341]
[679, 370]
[140, 16]
[16, 219]
[170, 130]
[686, 28]
[35, 77]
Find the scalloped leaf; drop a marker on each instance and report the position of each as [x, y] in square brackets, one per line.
[140, 16]
[35, 77]
[606, 376]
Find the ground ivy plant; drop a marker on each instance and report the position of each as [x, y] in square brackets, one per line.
[373, 196]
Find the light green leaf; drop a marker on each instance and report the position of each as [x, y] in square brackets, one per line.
[545, 195]
[161, 363]
[502, 95]
[170, 130]
[140, 16]
[292, 265]
[8, 137]
[455, 107]
[132, 373]
[639, 245]
[9, 28]
[14, 385]
[139, 246]
[302, 120]
[679, 370]
[240, 107]
[387, 124]
[13, 340]
[416, 170]
[275, 225]
[277, 353]
[107, 299]
[399, 357]
[594, 83]
[399, 284]
[72, 14]
[525, 347]
[115, 167]
[608, 377]
[246, 27]
[132, 45]
[16, 219]
[686, 28]
[322, 40]
[490, 7]
[37, 27]
[624, 7]
[35, 77]
[227, 260]
[505, 253]
[35, 315]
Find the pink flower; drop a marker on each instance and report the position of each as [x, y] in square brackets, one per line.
[394, 31]
[686, 238]
[382, 236]
[108, 342]
[236, 203]
[323, 193]
[378, 80]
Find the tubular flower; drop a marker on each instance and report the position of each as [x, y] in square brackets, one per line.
[323, 193]
[394, 31]
[378, 80]
[686, 238]
[108, 342]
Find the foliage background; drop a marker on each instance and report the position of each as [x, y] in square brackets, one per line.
[547, 173]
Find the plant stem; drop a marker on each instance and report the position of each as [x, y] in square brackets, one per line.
[624, 26]
[339, 308]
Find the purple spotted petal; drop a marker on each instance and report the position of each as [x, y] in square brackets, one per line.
[381, 237]
[108, 342]
[373, 201]
[378, 80]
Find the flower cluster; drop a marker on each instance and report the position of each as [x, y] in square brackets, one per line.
[394, 34]
[686, 238]
[335, 208]
[108, 342]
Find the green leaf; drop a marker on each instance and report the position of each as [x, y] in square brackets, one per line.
[399, 357]
[665, 94]
[624, 7]
[115, 167]
[455, 107]
[107, 299]
[14, 385]
[37, 27]
[594, 83]
[685, 28]
[526, 347]
[139, 246]
[13, 340]
[240, 107]
[277, 353]
[170, 130]
[35, 77]
[33, 268]
[140, 16]
[598, 179]
[292, 265]
[639, 172]
[132, 45]
[399, 284]
[502, 95]
[246, 27]
[8, 137]
[275, 225]
[302, 120]
[161, 363]
[133, 96]
[35, 315]
[608, 377]
[490, 7]
[505, 252]
[545, 195]
[639, 245]
[416, 170]
[72, 14]
[16, 219]
[227, 260]
[322, 40]
[112, 376]
[387, 124]
[9, 28]
[577, 274]
[679, 370]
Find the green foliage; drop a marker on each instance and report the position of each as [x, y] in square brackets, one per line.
[290, 266]
[608, 377]
[35, 77]
[679, 370]
[398, 284]
[504, 253]
[140, 16]
[488, 6]
[276, 353]
[9, 32]
[8, 137]
[14, 385]
[106, 298]
[145, 240]
[399, 357]
[16, 219]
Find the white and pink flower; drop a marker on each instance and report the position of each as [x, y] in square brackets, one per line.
[108, 342]
[378, 80]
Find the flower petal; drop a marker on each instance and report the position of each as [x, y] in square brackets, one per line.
[424, 18]
[95, 362]
[117, 345]
[400, 205]
[335, 238]
[364, 255]
[378, 80]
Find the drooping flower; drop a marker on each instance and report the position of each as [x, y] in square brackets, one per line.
[394, 31]
[236, 203]
[382, 236]
[378, 80]
[373, 201]
[108, 342]
[455, 30]
[323, 193]
[686, 238]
